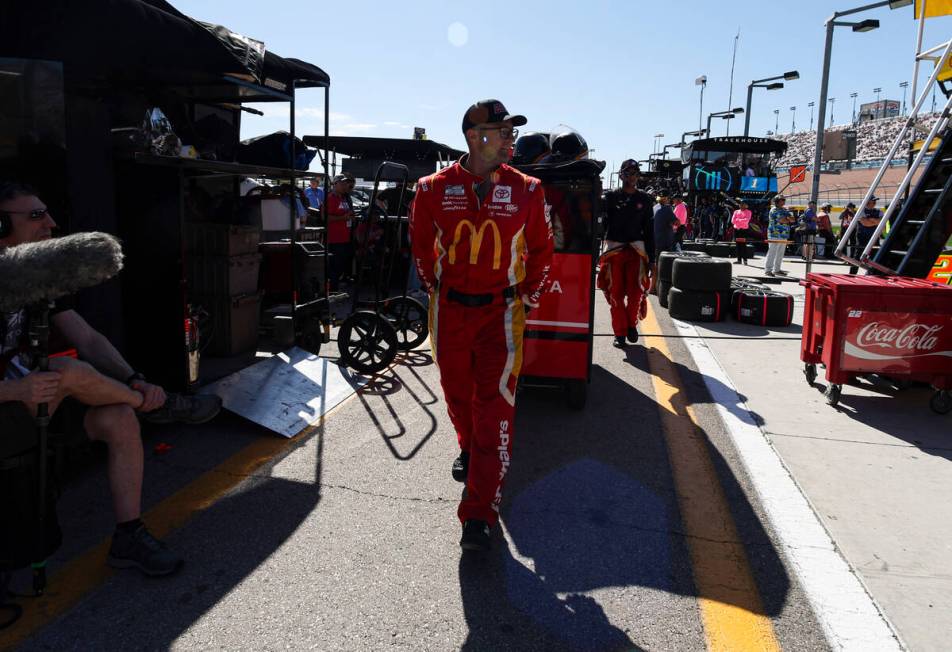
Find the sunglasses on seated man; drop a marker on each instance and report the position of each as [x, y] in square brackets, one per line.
[36, 214]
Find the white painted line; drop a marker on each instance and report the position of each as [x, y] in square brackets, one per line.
[847, 612]
[566, 324]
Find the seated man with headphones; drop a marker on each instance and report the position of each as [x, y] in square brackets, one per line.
[112, 395]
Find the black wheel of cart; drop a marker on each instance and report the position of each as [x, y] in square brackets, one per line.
[367, 342]
[941, 402]
[409, 318]
[576, 394]
[833, 394]
[809, 370]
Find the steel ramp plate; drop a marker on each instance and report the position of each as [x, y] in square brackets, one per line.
[287, 392]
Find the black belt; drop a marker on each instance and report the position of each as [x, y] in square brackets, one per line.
[478, 300]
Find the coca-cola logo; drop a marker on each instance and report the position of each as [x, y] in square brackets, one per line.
[912, 337]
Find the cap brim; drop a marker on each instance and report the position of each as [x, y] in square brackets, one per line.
[517, 120]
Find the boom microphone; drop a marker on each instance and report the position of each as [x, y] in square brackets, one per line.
[43, 271]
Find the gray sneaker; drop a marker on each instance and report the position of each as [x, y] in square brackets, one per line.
[141, 550]
[179, 408]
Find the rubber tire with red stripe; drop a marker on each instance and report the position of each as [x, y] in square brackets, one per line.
[701, 274]
[704, 305]
[762, 307]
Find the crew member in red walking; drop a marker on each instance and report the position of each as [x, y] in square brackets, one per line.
[482, 246]
[625, 267]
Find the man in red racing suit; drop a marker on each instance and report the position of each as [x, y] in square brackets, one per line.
[482, 247]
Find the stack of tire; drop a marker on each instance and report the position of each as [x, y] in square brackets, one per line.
[700, 288]
[665, 269]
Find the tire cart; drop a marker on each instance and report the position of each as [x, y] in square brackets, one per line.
[380, 324]
[889, 325]
[558, 337]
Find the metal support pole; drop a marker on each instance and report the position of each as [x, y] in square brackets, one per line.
[750, 94]
[700, 114]
[915, 68]
[821, 117]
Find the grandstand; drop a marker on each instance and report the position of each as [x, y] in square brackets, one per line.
[873, 140]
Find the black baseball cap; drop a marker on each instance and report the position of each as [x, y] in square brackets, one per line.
[629, 165]
[489, 112]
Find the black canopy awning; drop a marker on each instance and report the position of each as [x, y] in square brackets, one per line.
[744, 144]
[386, 149]
[142, 42]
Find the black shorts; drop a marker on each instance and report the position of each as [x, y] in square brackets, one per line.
[19, 427]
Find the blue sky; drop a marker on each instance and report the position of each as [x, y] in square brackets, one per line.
[618, 72]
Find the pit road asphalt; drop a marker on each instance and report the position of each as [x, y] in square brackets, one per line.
[346, 538]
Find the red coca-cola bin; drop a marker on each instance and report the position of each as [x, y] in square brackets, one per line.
[890, 325]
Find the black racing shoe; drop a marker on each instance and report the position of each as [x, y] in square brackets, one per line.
[141, 550]
[461, 467]
[179, 408]
[475, 536]
[633, 335]
[619, 342]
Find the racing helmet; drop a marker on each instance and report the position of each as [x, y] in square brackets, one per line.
[531, 148]
[568, 146]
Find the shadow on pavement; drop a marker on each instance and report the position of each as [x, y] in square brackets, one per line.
[591, 518]
[375, 398]
[223, 545]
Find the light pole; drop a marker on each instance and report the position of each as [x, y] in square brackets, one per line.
[831, 24]
[761, 83]
[904, 85]
[793, 120]
[776, 113]
[879, 111]
[724, 115]
[700, 133]
[811, 105]
[853, 95]
[657, 143]
[832, 102]
[702, 82]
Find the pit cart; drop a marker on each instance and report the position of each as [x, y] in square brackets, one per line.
[889, 325]
[380, 322]
[558, 337]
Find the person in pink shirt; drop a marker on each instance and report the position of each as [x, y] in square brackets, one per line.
[680, 212]
[741, 222]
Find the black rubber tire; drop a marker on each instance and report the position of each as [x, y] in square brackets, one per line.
[941, 402]
[689, 305]
[367, 342]
[762, 307]
[701, 274]
[719, 250]
[409, 318]
[663, 289]
[809, 371]
[667, 258]
[698, 247]
[832, 394]
[576, 394]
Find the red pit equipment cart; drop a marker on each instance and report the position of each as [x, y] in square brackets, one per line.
[558, 337]
[895, 326]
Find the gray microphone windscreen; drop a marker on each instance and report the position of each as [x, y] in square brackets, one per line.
[43, 271]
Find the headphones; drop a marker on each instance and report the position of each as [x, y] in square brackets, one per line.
[6, 225]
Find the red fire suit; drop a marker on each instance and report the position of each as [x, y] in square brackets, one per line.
[483, 260]
[623, 271]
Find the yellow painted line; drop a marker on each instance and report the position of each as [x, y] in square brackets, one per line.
[729, 601]
[88, 570]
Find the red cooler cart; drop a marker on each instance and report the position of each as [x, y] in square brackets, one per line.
[891, 325]
[558, 337]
